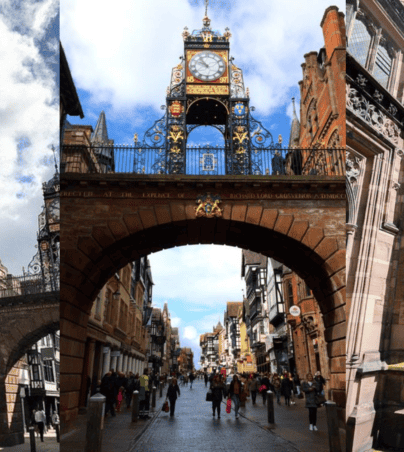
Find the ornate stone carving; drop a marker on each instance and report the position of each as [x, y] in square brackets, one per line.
[395, 185]
[361, 80]
[393, 109]
[353, 169]
[367, 111]
[378, 96]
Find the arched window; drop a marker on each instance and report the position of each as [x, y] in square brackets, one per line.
[359, 42]
[383, 65]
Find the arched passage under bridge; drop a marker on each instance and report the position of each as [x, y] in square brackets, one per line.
[24, 320]
[113, 219]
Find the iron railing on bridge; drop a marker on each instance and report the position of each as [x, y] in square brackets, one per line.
[13, 286]
[207, 160]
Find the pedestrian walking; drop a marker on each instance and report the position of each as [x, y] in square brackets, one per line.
[172, 390]
[311, 388]
[107, 389]
[254, 386]
[234, 394]
[218, 392]
[144, 395]
[40, 419]
[205, 376]
[319, 379]
[296, 381]
[286, 388]
[130, 387]
[264, 382]
[191, 379]
[119, 399]
[276, 381]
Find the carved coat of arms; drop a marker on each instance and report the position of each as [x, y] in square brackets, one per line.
[208, 206]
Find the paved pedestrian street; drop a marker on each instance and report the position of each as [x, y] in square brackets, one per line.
[49, 445]
[194, 429]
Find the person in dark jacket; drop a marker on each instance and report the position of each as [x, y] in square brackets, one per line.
[265, 382]
[286, 388]
[206, 379]
[296, 381]
[191, 379]
[218, 391]
[254, 386]
[172, 394]
[311, 388]
[319, 378]
[108, 390]
[234, 393]
[276, 381]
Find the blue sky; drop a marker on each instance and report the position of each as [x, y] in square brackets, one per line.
[121, 60]
[29, 121]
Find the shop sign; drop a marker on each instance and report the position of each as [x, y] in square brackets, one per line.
[295, 311]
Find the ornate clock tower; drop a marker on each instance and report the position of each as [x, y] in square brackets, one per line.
[208, 89]
[47, 259]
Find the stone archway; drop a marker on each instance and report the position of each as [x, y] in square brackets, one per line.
[111, 220]
[24, 320]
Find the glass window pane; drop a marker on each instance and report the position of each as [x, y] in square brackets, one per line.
[358, 45]
[383, 64]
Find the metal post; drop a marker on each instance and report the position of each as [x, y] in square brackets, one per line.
[95, 423]
[270, 407]
[154, 397]
[32, 438]
[333, 426]
[135, 406]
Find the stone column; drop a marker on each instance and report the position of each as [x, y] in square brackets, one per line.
[107, 359]
[113, 362]
[125, 364]
[119, 366]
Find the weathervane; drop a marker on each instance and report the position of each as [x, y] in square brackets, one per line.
[54, 158]
[206, 7]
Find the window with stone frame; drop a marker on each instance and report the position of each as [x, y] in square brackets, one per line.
[359, 41]
[383, 65]
[48, 370]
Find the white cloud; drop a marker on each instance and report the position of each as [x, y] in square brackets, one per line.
[175, 322]
[190, 333]
[123, 56]
[203, 277]
[29, 125]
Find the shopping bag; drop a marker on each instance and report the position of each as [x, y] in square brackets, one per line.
[166, 407]
[228, 406]
[262, 388]
[209, 396]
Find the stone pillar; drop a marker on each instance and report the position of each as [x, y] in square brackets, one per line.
[119, 362]
[130, 360]
[113, 363]
[125, 364]
[107, 360]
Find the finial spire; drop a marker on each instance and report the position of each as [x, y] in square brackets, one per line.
[206, 7]
[54, 158]
[294, 109]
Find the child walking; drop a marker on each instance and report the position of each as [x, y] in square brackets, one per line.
[119, 399]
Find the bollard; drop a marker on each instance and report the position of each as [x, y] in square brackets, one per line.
[153, 403]
[135, 406]
[161, 391]
[95, 423]
[57, 433]
[270, 407]
[333, 426]
[32, 438]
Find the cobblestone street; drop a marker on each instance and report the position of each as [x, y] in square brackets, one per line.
[193, 428]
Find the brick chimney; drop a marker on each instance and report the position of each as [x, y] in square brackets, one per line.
[333, 30]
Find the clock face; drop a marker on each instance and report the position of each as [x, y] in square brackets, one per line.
[207, 66]
[54, 209]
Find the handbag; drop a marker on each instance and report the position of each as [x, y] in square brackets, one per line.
[262, 388]
[319, 399]
[166, 407]
[228, 406]
[209, 396]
